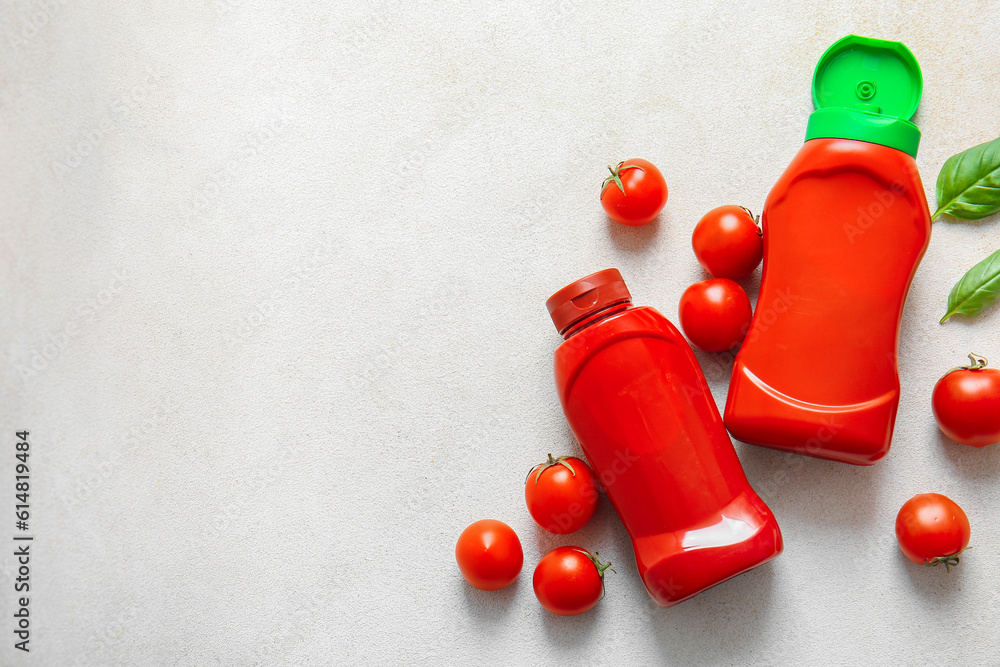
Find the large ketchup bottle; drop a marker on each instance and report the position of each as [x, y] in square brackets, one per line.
[844, 229]
[638, 403]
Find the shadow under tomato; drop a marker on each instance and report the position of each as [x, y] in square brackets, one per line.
[937, 583]
[972, 462]
[570, 631]
[717, 368]
[595, 535]
[603, 534]
[633, 239]
[489, 607]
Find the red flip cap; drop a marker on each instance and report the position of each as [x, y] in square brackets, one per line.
[585, 297]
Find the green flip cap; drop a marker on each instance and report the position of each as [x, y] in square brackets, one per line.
[867, 89]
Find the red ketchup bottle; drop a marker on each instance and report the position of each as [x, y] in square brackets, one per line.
[637, 401]
[844, 229]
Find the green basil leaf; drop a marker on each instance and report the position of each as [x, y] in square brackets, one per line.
[968, 186]
[977, 289]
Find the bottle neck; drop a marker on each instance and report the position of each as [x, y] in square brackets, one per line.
[596, 316]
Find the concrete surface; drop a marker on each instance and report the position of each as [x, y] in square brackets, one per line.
[272, 310]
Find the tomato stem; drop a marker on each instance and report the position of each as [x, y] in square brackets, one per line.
[979, 362]
[616, 178]
[949, 561]
[756, 221]
[595, 558]
[601, 568]
[557, 461]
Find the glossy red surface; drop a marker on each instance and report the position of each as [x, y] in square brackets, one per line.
[966, 405]
[715, 314]
[637, 401]
[844, 230]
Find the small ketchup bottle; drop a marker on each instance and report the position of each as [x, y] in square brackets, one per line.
[639, 405]
[844, 230]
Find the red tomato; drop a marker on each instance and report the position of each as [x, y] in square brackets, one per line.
[966, 404]
[634, 193]
[727, 242]
[489, 555]
[932, 529]
[569, 580]
[561, 494]
[715, 314]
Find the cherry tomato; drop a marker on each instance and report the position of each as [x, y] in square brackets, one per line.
[715, 314]
[489, 555]
[727, 242]
[634, 193]
[561, 494]
[966, 404]
[932, 529]
[569, 580]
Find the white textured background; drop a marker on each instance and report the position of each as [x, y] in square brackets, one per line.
[272, 307]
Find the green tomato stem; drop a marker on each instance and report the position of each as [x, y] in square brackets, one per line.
[949, 561]
[979, 362]
[557, 461]
[615, 176]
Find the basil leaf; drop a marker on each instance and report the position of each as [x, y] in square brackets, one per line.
[977, 289]
[968, 186]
